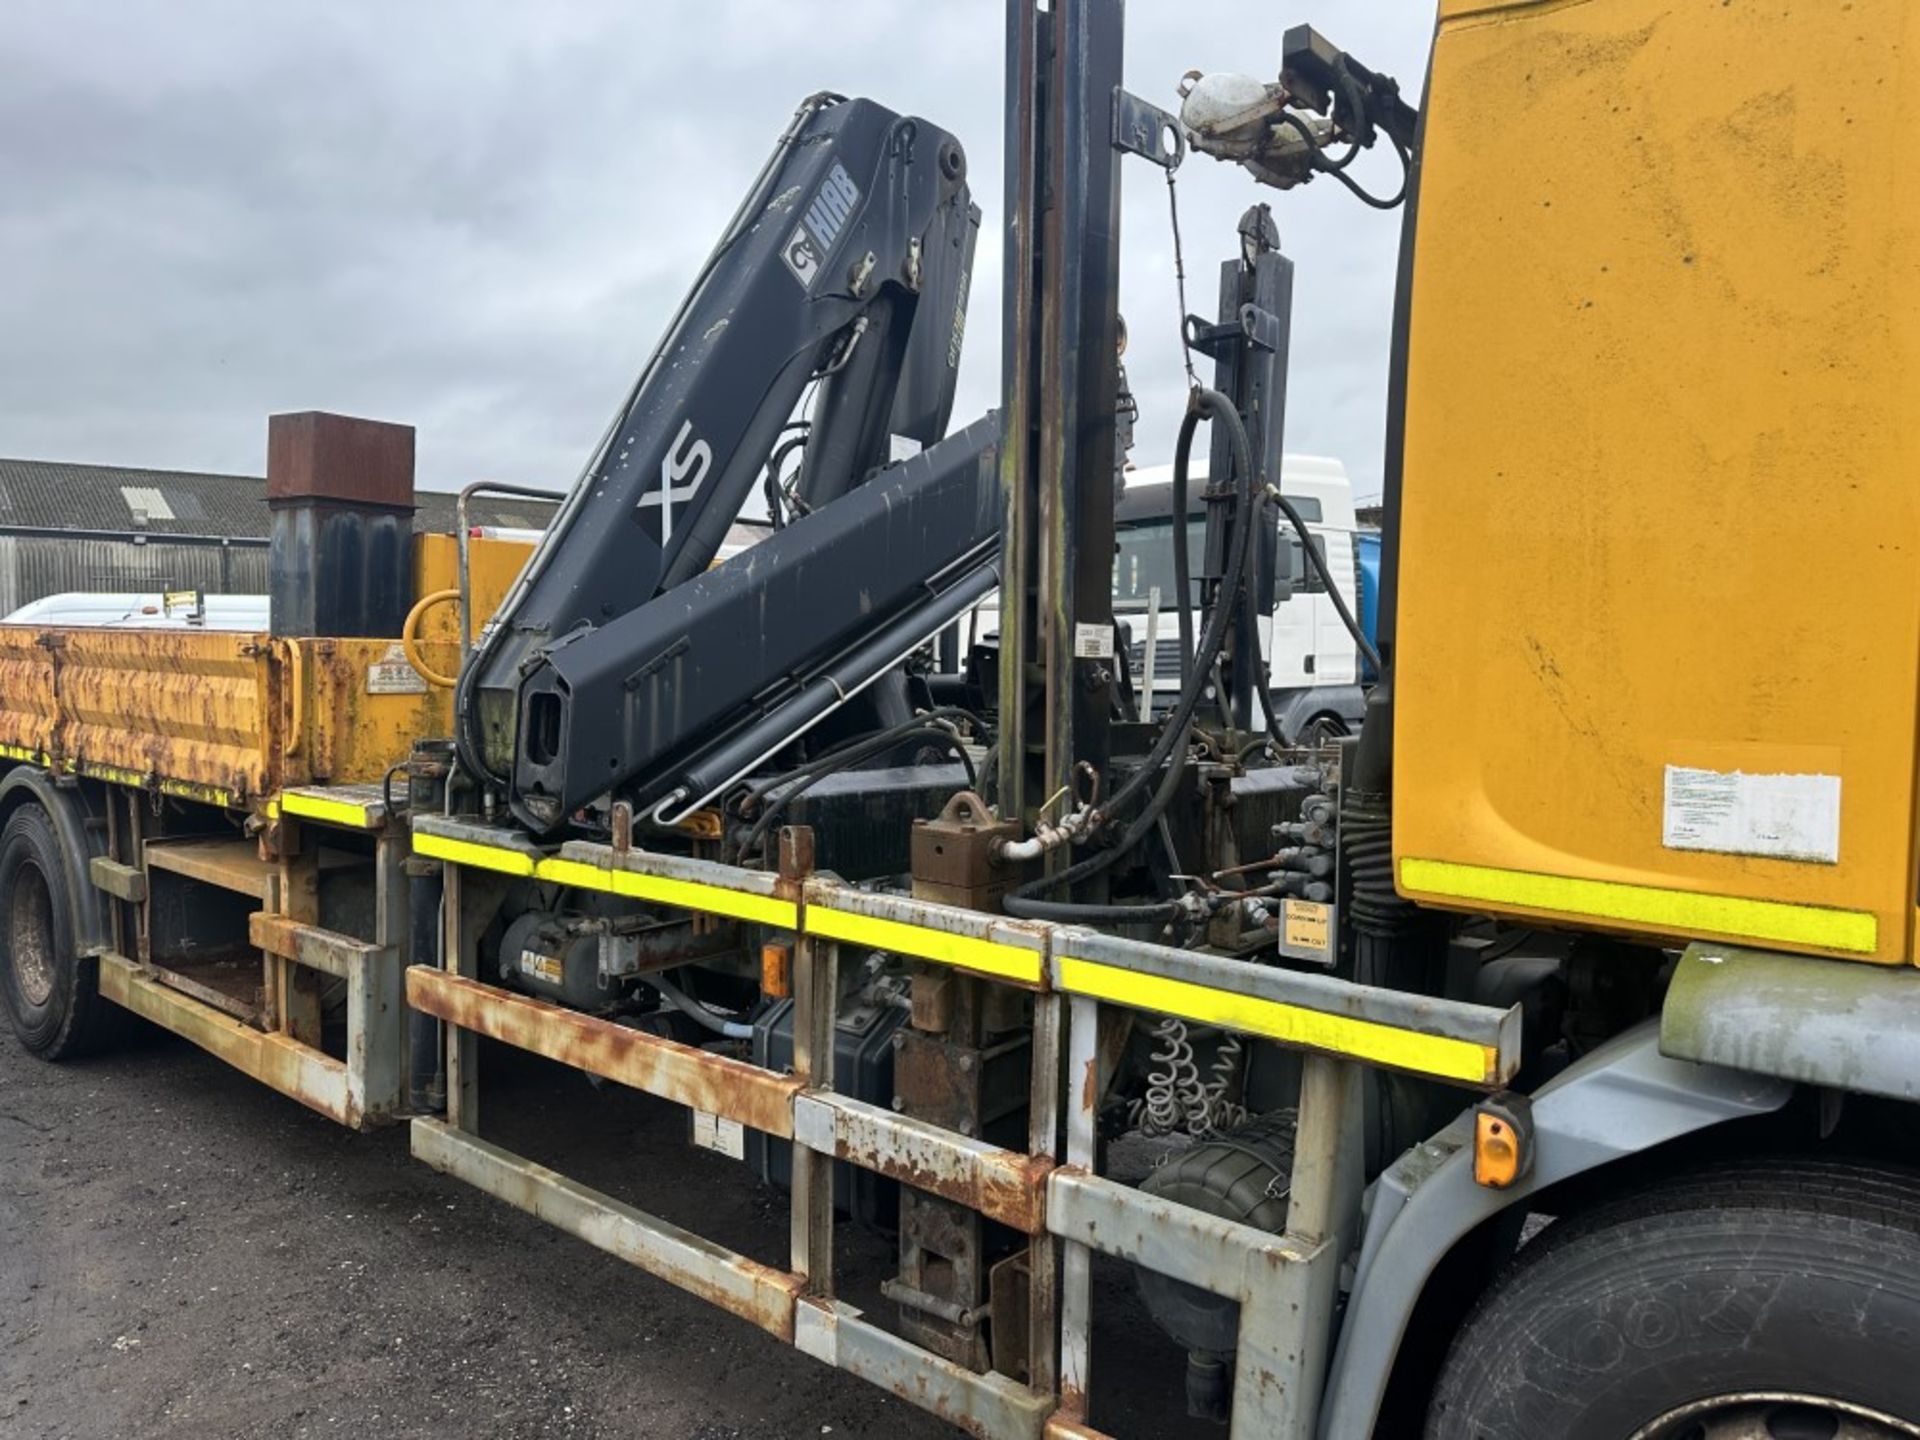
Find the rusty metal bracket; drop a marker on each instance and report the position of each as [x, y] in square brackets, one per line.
[1144, 129]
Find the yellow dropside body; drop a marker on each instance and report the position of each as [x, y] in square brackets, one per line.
[1661, 500]
[230, 718]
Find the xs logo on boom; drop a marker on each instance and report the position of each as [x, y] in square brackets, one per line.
[683, 469]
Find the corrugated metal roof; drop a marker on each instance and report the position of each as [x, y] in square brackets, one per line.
[57, 495]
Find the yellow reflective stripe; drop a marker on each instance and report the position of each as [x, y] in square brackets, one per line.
[139, 780]
[968, 952]
[661, 889]
[21, 752]
[667, 890]
[352, 814]
[1674, 911]
[1369, 1040]
[468, 852]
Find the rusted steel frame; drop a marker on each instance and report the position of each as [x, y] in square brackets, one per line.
[122, 882]
[989, 1406]
[718, 1084]
[376, 992]
[297, 988]
[721, 1277]
[1323, 1202]
[229, 865]
[1077, 383]
[1002, 1185]
[1006, 951]
[1455, 1040]
[1076, 1260]
[1163, 1235]
[816, 992]
[1018, 358]
[667, 866]
[1285, 1288]
[1043, 1148]
[316, 1080]
[327, 951]
[1286, 1314]
[462, 960]
[1059, 1427]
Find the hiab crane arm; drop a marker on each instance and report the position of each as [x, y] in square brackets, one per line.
[618, 663]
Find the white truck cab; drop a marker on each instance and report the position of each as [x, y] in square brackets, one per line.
[1313, 664]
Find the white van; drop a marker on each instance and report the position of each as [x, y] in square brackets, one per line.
[1314, 666]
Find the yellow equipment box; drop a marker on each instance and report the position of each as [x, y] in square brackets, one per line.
[1658, 650]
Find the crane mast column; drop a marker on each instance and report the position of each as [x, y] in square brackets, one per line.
[1061, 368]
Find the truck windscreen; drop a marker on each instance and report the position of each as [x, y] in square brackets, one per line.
[1143, 561]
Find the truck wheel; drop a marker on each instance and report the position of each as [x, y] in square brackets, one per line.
[49, 990]
[1760, 1301]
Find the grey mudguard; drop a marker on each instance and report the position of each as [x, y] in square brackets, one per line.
[1844, 1024]
[1621, 1099]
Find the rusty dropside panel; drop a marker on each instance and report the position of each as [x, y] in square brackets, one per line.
[28, 715]
[362, 706]
[185, 705]
[218, 716]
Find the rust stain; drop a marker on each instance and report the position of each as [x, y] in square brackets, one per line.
[1010, 1188]
[1065, 1424]
[716, 1083]
[1090, 1088]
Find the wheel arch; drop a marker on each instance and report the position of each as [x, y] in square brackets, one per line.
[1295, 709]
[74, 825]
[1620, 1112]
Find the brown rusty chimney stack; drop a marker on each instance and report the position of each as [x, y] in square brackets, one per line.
[341, 493]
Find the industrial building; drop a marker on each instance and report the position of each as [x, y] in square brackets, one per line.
[66, 527]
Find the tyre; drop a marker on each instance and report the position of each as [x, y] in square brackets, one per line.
[49, 991]
[1760, 1301]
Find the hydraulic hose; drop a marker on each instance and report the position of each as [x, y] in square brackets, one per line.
[804, 780]
[1022, 905]
[1251, 603]
[700, 1014]
[776, 503]
[1320, 568]
[1182, 556]
[1205, 404]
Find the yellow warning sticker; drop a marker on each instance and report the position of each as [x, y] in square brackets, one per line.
[1307, 924]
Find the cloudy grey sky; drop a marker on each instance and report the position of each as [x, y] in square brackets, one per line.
[476, 218]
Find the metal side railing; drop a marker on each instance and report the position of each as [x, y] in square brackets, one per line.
[1285, 1283]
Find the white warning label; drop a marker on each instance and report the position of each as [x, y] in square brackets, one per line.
[1782, 817]
[1092, 642]
[720, 1135]
[392, 675]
